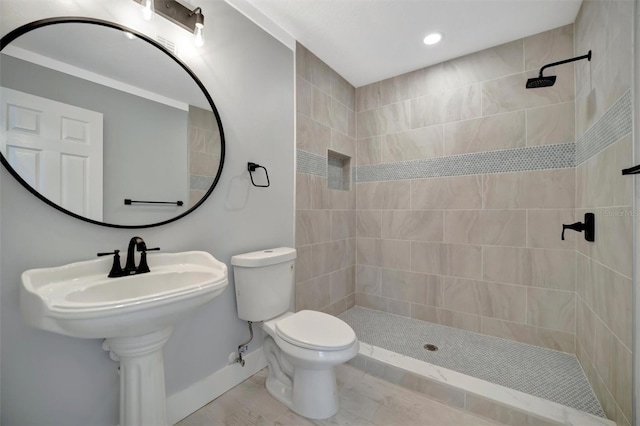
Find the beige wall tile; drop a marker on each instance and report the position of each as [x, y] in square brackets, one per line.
[418, 225]
[609, 73]
[342, 91]
[333, 256]
[543, 268]
[460, 192]
[500, 131]
[613, 362]
[304, 264]
[383, 195]
[371, 301]
[412, 145]
[549, 46]
[613, 243]
[412, 287]
[393, 254]
[510, 94]
[312, 136]
[313, 294]
[552, 309]
[343, 144]
[551, 124]
[551, 339]
[544, 229]
[369, 223]
[609, 295]
[319, 193]
[369, 151]
[303, 191]
[321, 107]
[368, 279]
[599, 182]
[495, 300]
[368, 97]
[484, 65]
[462, 320]
[343, 224]
[462, 103]
[491, 227]
[312, 226]
[312, 69]
[585, 328]
[534, 189]
[343, 283]
[304, 97]
[338, 116]
[426, 110]
[457, 260]
[384, 120]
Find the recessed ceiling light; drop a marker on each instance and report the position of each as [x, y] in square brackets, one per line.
[433, 38]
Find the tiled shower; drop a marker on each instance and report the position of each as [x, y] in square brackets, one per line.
[461, 181]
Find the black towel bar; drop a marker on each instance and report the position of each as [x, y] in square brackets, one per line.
[128, 202]
[631, 170]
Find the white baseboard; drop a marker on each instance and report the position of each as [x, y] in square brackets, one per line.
[196, 396]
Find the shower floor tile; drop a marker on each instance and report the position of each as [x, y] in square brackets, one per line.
[545, 373]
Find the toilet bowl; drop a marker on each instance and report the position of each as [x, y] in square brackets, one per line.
[301, 348]
[301, 360]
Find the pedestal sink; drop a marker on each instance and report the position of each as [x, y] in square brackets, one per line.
[134, 314]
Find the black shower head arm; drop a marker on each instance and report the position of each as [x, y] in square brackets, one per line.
[587, 56]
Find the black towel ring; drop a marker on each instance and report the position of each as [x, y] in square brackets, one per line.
[252, 168]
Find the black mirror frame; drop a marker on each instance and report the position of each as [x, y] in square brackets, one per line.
[12, 35]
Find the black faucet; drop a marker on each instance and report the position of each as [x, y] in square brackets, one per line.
[130, 267]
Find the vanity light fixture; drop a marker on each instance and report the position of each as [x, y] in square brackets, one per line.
[190, 20]
[433, 38]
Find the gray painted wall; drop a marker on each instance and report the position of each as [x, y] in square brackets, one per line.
[136, 166]
[54, 380]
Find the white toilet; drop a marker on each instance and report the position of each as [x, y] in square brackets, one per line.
[301, 348]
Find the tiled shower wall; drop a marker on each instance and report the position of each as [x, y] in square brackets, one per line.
[325, 218]
[603, 148]
[464, 181]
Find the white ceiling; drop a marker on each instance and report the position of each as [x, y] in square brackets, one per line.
[370, 40]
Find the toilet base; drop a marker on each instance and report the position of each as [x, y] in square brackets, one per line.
[312, 393]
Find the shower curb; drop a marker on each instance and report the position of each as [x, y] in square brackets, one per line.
[479, 397]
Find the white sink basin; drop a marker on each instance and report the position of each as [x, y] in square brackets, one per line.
[79, 300]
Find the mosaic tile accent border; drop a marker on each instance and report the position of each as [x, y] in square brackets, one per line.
[558, 156]
[312, 164]
[552, 375]
[610, 128]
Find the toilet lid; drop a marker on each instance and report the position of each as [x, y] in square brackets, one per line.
[316, 330]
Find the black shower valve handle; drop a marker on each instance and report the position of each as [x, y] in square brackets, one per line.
[578, 226]
[588, 226]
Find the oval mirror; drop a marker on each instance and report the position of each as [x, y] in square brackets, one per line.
[106, 124]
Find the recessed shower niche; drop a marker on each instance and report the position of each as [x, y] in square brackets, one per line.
[338, 171]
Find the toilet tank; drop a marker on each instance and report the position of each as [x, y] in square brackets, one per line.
[264, 282]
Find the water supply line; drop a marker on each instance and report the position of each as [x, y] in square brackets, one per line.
[243, 347]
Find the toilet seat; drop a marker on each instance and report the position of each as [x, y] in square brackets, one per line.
[315, 330]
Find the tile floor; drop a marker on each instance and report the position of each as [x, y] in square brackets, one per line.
[552, 375]
[364, 400]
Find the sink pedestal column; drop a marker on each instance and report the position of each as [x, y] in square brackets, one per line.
[142, 394]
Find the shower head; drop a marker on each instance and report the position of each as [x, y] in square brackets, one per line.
[534, 83]
[542, 81]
